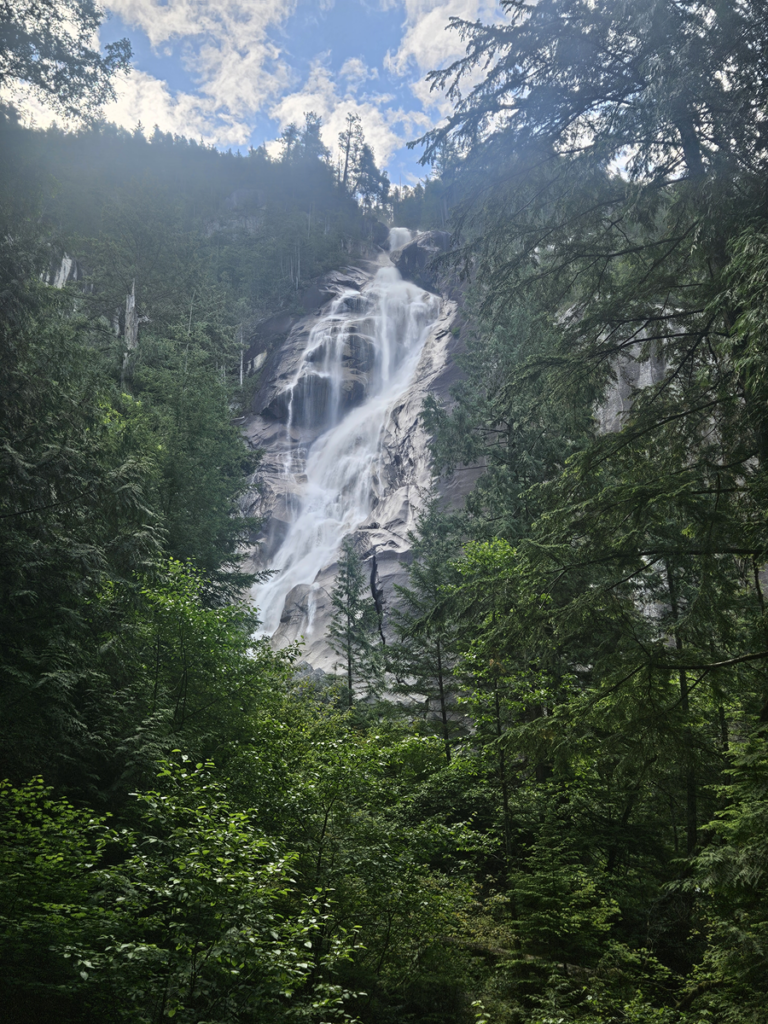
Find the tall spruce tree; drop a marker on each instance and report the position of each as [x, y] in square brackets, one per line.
[424, 655]
[351, 142]
[352, 633]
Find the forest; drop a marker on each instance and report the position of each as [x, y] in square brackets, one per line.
[546, 800]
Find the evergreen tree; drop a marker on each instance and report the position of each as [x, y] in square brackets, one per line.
[508, 415]
[76, 514]
[354, 623]
[289, 139]
[615, 651]
[538, 133]
[312, 145]
[731, 983]
[351, 142]
[424, 656]
[371, 184]
[49, 47]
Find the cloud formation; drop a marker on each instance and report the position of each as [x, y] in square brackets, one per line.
[226, 47]
[356, 71]
[239, 71]
[144, 99]
[428, 43]
[386, 128]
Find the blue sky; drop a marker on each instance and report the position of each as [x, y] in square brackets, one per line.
[235, 72]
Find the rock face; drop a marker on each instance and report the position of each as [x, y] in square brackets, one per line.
[632, 375]
[66, 270]
[338, 417]
[414, 259]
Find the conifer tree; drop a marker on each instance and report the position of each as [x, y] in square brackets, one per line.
[351, 142]
[48, 47]
[354, 622]
[371, 184]
[425, 653]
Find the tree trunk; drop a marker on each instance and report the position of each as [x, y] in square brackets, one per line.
[443, 709]
[502, 766]
[691, 825]
[691, 147]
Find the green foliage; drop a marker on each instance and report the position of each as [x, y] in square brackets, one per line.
[352, 632]
[196, 667]
[499, 420]
[201, 466]
[423, 657]
[49, 47]
[204, 917]
[424, 206]
[568, 823]
[731, 870]
[610, 622]
[49, 899]
[75, 513]
[117, 450]
[350, 801]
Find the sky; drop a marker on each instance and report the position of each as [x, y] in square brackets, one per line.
[236, 72]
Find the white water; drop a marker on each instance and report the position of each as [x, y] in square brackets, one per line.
[335, 474]
[398, 237]
[62, 274]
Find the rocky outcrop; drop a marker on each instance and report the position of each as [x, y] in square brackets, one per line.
[281, 361]
[65, 271]
[379, 233]
[402, 484]
[287, 419]
[415, 261]
[632, 374]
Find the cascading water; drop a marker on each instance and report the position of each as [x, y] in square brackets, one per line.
[399, 237]
[358, 360]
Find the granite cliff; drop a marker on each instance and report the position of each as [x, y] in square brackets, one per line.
[338, 417]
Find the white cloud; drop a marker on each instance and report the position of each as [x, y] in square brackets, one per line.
[356, 71]
[179, 18]
[428, 44]
[226, 47]
[433, 100]
[240, 70]
[30, 108]
[143, 98]
[386, 129]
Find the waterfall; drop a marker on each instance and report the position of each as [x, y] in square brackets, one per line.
[398, 237]
[358, 360]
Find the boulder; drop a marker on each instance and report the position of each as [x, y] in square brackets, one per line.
[329, 286]
[359, 353]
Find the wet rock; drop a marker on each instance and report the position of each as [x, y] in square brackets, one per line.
[359, 353]
[353, 391]
[401, 480]
[415, 260]
[313, 400]
[632, 374]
